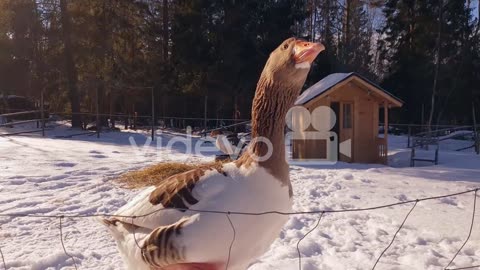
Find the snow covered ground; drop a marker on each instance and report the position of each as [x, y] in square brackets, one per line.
[74, 176]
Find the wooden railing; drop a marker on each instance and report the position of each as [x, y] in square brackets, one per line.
[4, 121]
[382, 150]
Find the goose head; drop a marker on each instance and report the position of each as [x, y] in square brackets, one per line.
[290, 62]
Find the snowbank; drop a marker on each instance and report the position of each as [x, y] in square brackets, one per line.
[53, 176]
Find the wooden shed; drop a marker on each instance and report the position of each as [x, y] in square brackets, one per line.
[356, 105]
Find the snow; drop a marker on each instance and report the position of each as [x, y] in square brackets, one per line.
[457, 133]
[330, 81]
[74, 176]
[321, 86]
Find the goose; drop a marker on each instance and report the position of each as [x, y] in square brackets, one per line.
[225, 141]
[166, 226]
[223, 144]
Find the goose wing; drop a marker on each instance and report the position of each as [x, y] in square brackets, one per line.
[168, 202]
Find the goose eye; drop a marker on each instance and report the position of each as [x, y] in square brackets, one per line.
[285, 46]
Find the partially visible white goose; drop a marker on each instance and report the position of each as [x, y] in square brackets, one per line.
[222, 142]
[177, 238]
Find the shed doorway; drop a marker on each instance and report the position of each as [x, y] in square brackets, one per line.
[346, 130]
[343, 126]
[335, 106]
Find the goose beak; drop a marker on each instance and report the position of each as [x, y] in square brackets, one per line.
[306, 52]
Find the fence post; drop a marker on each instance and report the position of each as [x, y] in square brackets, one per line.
[38, 106]
[42, 113]
[153, 114]
[98, 115]
[205, 113]
[475, 131]
[409, 135]
[477, 144]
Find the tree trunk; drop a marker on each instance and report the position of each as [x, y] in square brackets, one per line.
[327, 28]
[478, 21]
[70, 69]
[411, 25]
[346, 30]
[165, 30]
[105, 43]
[36, 52]
[312, 20]
[315, 15]
[437, 67]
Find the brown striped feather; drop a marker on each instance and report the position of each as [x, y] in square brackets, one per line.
[176, 191]
[159, 249]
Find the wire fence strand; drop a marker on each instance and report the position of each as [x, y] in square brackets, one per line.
[231, 243]
[183, 209]
[134, 227]
[298, 243]
[3, 259]
[467, 267]
[469, 232]
[229, 213]
[63, 245]
[394, 236]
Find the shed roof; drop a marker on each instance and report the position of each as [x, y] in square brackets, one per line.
[326, 84]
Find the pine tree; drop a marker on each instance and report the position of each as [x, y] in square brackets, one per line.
[406, 50]
[232, 42]
[411, 49]
[70, 68]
